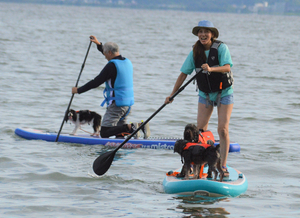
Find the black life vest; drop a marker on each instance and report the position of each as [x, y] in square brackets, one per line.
[213, 82]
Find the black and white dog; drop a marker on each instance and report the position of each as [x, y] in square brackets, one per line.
[82, 117]
[197, 155]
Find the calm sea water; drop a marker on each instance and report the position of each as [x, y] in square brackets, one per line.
[42, 49]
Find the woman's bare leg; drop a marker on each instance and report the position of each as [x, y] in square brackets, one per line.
[203, 116]
[224, 113]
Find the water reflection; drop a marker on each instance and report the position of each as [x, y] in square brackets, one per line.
[201, 206]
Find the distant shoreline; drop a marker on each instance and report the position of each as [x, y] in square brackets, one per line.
[141, 6]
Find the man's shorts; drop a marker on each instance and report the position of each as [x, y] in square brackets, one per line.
[115, 116]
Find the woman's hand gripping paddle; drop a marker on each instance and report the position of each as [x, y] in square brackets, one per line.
[73, 94]
[103, 162]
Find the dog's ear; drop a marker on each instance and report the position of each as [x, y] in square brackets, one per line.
[195, 133]
[217, 146]
[179, 145]
[176, 146]
[66, 116]
[73, 114]
[187, 133]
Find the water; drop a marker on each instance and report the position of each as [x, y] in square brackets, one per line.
[42, 50]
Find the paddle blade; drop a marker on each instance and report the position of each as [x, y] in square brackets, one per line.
[103, 162]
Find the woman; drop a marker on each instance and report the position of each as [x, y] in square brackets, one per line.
[213, 58]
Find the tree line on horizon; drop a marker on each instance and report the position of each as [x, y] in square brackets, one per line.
[191, 5]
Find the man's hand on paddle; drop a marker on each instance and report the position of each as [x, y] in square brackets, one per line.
[74, 90]
[167, 101]
[95, 40]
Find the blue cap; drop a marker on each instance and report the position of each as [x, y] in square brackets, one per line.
[208, 25]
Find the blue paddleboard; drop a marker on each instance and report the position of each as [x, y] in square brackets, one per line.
[35, 134]
[235, 185]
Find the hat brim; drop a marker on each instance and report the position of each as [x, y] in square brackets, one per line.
[212, 29]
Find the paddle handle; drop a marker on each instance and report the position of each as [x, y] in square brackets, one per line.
[82, 66]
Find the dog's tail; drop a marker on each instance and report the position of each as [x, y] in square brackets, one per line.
[98, 119]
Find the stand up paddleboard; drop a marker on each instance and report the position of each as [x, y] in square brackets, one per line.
[35, 134]
[232, 186]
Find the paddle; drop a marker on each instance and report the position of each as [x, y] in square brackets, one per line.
[73, 94]
[103, 162]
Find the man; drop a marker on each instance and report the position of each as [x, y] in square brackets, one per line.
[118, 93]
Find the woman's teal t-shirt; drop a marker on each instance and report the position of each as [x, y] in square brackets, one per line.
[224, 58]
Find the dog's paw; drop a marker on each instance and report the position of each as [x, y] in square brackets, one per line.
[186, 178]
[210, 142]
[179, 175]
[209, 175]
[170, 173]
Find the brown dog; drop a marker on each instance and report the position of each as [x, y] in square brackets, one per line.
[189, 156]
[197, 154]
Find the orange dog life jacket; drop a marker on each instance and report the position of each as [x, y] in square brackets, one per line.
[189, 144]
[205, 136]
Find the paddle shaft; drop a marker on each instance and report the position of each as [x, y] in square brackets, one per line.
[156, 112]
[82, 66]
[104, 161]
